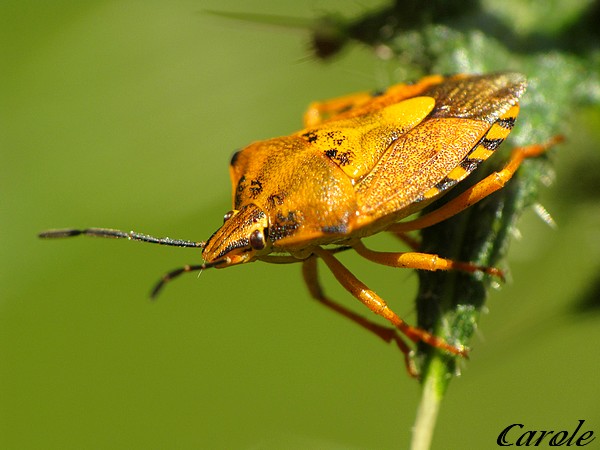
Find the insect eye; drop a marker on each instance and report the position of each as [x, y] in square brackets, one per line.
[228, 215]
[257, 240]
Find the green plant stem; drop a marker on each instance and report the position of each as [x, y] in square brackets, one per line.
[433, 389]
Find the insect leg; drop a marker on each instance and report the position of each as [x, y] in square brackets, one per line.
[482, 189]
[376, 304]
[174, 274]
[422, 261]
[317, 112]
[309, 271]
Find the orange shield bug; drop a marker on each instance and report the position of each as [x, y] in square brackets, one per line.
[361, 165]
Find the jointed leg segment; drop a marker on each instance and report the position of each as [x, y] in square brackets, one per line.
[387, 334]
[421, 261]
[376, 304]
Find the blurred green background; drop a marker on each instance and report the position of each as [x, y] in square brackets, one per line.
[125, 114]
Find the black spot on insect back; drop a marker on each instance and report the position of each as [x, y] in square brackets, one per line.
[337, 229]
[491, 144]
[284, 225]
[340, 158]
[446, 183]
[311, 137]
[256, 188]
[507, 123]
[240, 190]
[276, 199]
[470, 164]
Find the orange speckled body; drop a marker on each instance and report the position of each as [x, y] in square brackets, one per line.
[363, 163]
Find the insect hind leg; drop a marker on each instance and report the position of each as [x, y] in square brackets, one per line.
[377, 305]
[387, 334]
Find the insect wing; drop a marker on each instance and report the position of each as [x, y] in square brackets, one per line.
[417, 165]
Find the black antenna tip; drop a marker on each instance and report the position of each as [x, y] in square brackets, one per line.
[60, 233]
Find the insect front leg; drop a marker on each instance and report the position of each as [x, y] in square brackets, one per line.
[309, 272]
[376, 304]
[479, 191]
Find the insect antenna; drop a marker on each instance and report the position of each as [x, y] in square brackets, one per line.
[118, 234]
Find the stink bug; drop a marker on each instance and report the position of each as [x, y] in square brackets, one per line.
[362, 164]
